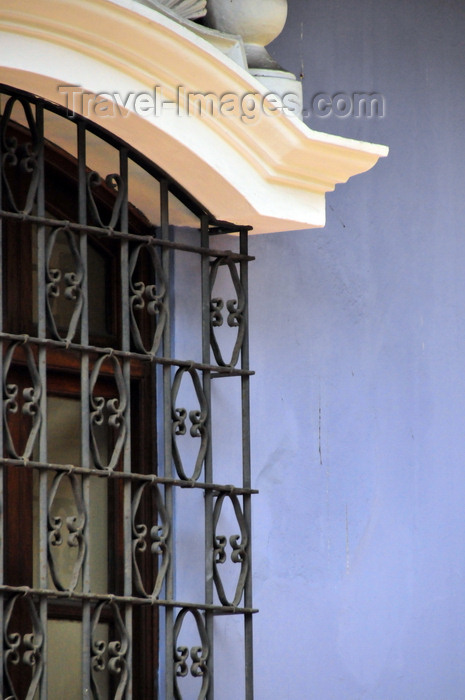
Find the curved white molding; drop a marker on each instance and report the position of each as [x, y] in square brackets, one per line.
[271, 172]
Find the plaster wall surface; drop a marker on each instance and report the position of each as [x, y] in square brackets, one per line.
[358, 340]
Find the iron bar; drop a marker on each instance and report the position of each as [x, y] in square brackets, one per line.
[168, 621]
[147, 239]
[127, 463]
[124, 354]
[53, 594]
[42, 366]
[206, 329]
[246, 467]
[85, 417]
[216, 489]
[2, 470]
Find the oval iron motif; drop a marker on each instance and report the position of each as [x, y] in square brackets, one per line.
[198, 420]
[158, 540]
[67, 286]
[29, 401]
[108, 412]
[150, 297]
[64, 514]
[21, 156]
[198, 655]
[235, 309]
[239, 554]
[23, 650]
[109, 656]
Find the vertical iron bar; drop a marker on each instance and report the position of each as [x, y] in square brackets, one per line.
[42, 367]
[167, 448]
[2, 533]
[246, 469]
[206, 296]
[85, 417]
[126, 346]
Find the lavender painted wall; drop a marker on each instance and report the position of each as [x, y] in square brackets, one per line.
[358, 339]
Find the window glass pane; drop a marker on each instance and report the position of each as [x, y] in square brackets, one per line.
[98, 290]
[65, 663]
[144, 193]
[64, 660]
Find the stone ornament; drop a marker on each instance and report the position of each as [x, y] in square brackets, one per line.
[187, 9]
[258, 22]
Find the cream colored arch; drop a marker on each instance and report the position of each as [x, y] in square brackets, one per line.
[267, 170]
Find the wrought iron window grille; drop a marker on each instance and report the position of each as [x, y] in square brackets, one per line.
[101, 459]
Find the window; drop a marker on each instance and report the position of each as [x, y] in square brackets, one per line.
[124, 546]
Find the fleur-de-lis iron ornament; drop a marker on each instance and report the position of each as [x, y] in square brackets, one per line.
[235, 308]
[239, 554]
[147, 296]
[31, 643]
[31, 400]
[158, 536]
[108, 411]
[111, 656]
[72, 283]
[198, 655]
[22, 156]
[75, 525]
[198, 419]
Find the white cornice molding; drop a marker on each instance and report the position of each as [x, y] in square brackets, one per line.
[271, 173]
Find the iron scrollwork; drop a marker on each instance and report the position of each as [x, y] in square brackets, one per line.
[109, 656]
[32, 644]
[198, 655]
[148, 296]
[108, 411]
[113, 182]
[72, 283]
[239, 554]
[75, 525]
[235, 308]
[158, 536]
[198, 419]
[22, 156]
[31, 400]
